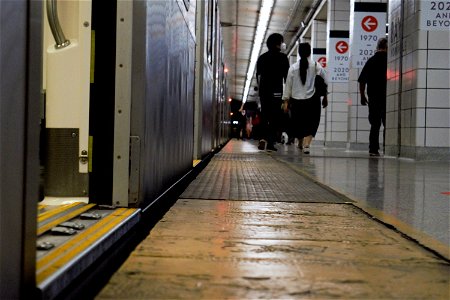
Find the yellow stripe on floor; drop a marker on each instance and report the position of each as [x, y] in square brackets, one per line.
[42, 229]
[56, 210]
[49, 264]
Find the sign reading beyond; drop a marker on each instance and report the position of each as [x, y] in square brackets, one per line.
[434, 15]
[338, 58]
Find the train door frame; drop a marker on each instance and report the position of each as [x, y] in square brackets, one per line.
[199, 73]
[122, 111]
[20, 92]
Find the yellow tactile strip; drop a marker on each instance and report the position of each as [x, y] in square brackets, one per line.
[276, 250]
[49, 219]
[55, 260]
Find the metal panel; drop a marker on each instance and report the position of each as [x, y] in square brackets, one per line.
[204, 87]
[122, 112]
[20, 78]
[207, 105]
[162, 94]
[200, 58]
[135, 154]
[62, 178]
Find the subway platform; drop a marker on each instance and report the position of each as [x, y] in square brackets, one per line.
[286, 225]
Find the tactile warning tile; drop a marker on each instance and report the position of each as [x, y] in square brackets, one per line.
[256, 177]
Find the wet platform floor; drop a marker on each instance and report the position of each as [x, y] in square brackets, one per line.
[251, 227]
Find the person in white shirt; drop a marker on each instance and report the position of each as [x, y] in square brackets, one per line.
[301, 97]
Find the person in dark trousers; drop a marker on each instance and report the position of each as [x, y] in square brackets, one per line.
[373, 75]
[271, 71]
[303, 98]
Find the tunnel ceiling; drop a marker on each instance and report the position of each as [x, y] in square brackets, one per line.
[238, 21]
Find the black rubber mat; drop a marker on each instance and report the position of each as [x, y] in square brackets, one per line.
[257, 177]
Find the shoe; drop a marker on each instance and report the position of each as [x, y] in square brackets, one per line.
[374, 154]
[271, 148]
[262, 145]
[306, 150]
[284, 138]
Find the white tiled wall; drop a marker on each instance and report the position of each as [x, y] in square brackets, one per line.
[422, 104]
[337, 111]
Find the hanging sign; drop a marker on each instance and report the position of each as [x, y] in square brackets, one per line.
[369, 25]
[320, 56]
[434, 15]
[338, 58]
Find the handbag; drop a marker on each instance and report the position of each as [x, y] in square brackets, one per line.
[320, 86]
[321, 89]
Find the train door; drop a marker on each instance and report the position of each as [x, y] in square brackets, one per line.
[82, 126]
[87, 101]
[66, 82]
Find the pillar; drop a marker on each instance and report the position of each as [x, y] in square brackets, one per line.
[337, 111]
[418, 94]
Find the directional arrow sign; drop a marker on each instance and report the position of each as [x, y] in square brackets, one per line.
[323, 61]
[368, 27]
[369, 23]
[338, 60]
[341, 47]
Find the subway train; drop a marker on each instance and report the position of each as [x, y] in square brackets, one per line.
[107, 108]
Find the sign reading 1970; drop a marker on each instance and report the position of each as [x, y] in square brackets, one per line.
[435, 15]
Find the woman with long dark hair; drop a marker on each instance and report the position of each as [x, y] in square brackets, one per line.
[301, 97]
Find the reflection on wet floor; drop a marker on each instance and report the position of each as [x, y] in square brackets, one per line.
[254, 225]
[412, 191]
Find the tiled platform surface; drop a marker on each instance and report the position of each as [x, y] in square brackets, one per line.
[283, 248]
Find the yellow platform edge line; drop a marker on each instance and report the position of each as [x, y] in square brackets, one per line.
[46, 227]
[79, 247]
[48, 214]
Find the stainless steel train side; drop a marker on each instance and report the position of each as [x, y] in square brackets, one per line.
[20, 82]
[174, 94]
[166, 110]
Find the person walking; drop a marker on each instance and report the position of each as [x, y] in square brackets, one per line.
[302, 98]
[271, 71]
[373, 75]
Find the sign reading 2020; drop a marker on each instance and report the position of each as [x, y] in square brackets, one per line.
[368, 26]
[434, 15]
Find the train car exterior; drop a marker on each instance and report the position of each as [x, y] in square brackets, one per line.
[156, 97]
[20, 60]
[175, 97]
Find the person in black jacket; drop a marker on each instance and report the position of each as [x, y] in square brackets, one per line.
[271, 71]
[373, 75]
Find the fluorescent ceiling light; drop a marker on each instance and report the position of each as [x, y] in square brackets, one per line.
[261, 28]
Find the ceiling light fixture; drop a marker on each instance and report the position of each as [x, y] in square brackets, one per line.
[264, 16]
